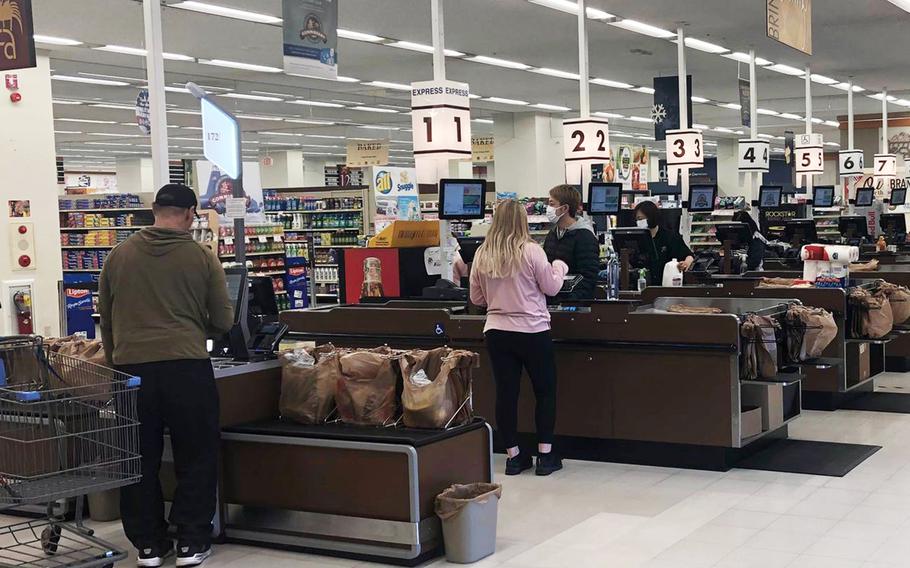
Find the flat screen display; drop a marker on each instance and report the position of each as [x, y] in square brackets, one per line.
[864, 196]
[898, 196]
[236, 287]
[770, 195]
[462, 198]
[604, 198]
[702, 197]
[824, 196]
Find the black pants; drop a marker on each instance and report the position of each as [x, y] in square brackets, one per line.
[511, 351]
[179, 396]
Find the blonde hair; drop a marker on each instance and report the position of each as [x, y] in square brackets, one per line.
[502, 252]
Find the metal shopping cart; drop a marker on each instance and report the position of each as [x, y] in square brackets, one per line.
[67, 428]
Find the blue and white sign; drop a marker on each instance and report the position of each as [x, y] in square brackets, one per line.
[143, 116]
[221, 139]
[311, 38]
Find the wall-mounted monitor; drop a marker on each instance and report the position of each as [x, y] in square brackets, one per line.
[462, 198]
[702, 197]
[770, 195]
[865, 196]
[824, 196]
[604, 198]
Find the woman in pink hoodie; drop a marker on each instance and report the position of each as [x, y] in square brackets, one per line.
[512, 277]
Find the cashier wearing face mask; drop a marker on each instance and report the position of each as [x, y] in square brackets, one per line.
[667, 243]
[572, 240]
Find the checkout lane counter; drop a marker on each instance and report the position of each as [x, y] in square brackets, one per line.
[635, 385]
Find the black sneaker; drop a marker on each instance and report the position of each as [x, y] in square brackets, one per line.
[518, 464]
[193, 554]
[154, 556]
[548, 463]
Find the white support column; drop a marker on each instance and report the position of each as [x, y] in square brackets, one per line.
[754, 177]
[683, 106]
[438, 26]
[584, 89]
[154, 45]
[884, 142]
[808, 178]
[850, 115]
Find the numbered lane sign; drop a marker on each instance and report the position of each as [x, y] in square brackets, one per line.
[441, 119]
[884, 166]
[754, 155]
[586, 139]
[810, 154]
[850, 163]
[685, 151]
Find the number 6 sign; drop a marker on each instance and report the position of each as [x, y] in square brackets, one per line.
[685, 151]
[586, 139]
[850, 163]
[441, 119]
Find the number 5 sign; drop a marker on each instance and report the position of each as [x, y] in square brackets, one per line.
[685, 151]
[441, 119]
[753, 155]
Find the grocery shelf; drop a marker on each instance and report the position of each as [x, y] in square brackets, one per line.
[330, 281]
[268, 273]
[327, 294]
[334, 246]
[324, 230]
[271, 252]
[77, 247]
[706, 244]
[106, 210]
[313, 211]
[81, 270]
[128, 228]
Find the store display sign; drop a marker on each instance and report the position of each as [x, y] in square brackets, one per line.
[482, 149]
[685, 151]
[441, 119]
[395, 196]
[745, 104]
[809, 155]
[850, 163]
[311, 38]
[884, 166]
[367, 153]
[754, 155]
[371, 273]
[221, 138]
[143, 114]
[235, 207]
[665, 112]
[790, 22]
[17, 42]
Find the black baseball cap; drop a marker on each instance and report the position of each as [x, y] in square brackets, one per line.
[176, 195]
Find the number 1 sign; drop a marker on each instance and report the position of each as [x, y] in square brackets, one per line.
[441, 119]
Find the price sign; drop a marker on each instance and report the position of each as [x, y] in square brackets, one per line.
[235, 207]
[850, 163]
[884, 166]
[221, 139]
[441, 119]
[685, 151]
[586, 139]
[754, 155]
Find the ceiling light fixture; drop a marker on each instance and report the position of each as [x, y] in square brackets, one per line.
[505, 101]
[791, 116]
[643, 28]
[247, 97]
[65, 102]
[733, 106]
[378, 127]
[53, 40]
[177, 90]
[498, 62]
[109, 143]
[639, 119]
[787, 70]
[482, 120]
[275, 134]
[822, 80]
[260, 117]
[388, 85]
[607, 114]
[240, 65]
[556, 73]
[701, 100]
[181, 111]
[646, 90]
[611, 83]
[227, 12]
[90, 81]
[142, 52]
[310, 121]
[114, 106]
[374, 109]
[343, 79]
[767, 111]
[833, 123]
[846, 86]
[423, 48]
[359, 36]
[744, 58]
[546, 106]
[67, 132]
[705, 46]
[86, 120]
[315, 103]
[570, 7]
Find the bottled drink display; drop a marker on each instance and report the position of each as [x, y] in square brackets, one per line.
[372, 278]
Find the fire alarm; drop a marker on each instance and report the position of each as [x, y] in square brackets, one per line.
[25, 261]
[15, 97]
[12, 82]
[23, 229]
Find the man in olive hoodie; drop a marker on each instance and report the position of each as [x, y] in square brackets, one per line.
[160, 295]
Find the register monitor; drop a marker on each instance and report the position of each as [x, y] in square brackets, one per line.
[234, 343]
[738, 234]
[604, 198]
[853, 227]
[770, 195]
[799, 232]
[463, 199]
[702, 198]
[894, 226]
[824, 196]
[864, 196]
[636, 242]
[898, 197]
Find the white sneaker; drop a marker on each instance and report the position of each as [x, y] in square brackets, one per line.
[193, 555]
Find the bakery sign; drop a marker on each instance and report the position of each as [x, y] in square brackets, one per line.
[17, 42]
[367, 153]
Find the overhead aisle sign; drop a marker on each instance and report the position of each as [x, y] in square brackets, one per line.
[311, 38]
[884, 169]
[441, 119]
[754, 155]
[221, 138]
[850, 163]
[685, 151]
[810, 156]
[586, 141]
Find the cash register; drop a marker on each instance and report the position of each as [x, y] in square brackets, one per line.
[256, 332]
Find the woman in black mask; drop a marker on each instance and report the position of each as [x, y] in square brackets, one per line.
[668, 244]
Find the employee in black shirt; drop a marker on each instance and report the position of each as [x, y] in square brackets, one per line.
[755, 254]
[668, 244]
[572, 240]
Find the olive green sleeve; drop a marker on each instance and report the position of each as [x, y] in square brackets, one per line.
[221, 311]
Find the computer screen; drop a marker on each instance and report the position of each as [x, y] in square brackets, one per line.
[898, 196]
[462, 198]
[824, 196]
[702, 197]
[236, 288]
[770, 195]
[864, 196]
[604, 198]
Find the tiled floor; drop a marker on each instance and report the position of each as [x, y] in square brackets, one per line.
[611, 515]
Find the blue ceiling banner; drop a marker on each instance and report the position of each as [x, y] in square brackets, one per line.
[311, 38]
[665, 112]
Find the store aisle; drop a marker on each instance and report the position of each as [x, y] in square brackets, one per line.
[612, 515]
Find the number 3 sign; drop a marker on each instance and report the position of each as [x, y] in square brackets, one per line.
[685, 151]
[586, 139]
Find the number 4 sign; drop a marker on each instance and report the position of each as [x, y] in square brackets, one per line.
[685, 151]
[754, 155]
[441, 119]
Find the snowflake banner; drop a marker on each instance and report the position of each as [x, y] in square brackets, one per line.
[665, 111]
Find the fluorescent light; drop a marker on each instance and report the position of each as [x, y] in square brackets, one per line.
[643, 28]
[646, 90]
[700, 99]
[767, 111]
[65, 102]
[378, 127]
[768, 136]
[373, 109]
[816, 120]
[270, 134]
[86, 120]
[835, 144]
[67, 132]
[902, 102]
[498, 62]
[177, 90]
[557, 73]
[846, 86]
[359, 36]
[114, 106]
[734, 106]
[879, 96]
[423, 48]
[744, 58]
[639, 119]
[482, 120]
[620, 135]
[607, 114]
[240, 65]
[571, 7]
[191, 127]
[786, 69]
[611, 83]
[142, 52]
[315, 104]
[186, 139]
[705, 46]
[247, 97]
[115, 135]
[546, 106]
[227, 12]
[791, 116]
[388, 85]
[701, 126]
[109, 143]
[833, 123]
[344, 79]
[474, 96]
[90, 81]
[181, 111]
[53, 40]
[505, 101]
[821, 79]
[722, 129]
[309, 121]
[330, 136]
[260, 117]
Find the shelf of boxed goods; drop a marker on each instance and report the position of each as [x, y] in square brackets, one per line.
[86, 223]
[705, 238]
[826, 220]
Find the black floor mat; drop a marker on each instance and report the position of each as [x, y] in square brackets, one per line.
[810, 457]
[880, 402]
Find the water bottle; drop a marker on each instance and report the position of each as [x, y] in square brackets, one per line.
[642, 280]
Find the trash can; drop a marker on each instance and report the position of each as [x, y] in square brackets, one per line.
[104, 506]
[468, 514]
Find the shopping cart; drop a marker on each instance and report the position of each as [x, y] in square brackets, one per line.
[67, 428]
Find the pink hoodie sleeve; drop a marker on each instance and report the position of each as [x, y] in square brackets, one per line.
[477, 297]
[549, 277]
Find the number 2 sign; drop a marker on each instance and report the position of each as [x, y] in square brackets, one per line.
[586, 139]
[441, 119]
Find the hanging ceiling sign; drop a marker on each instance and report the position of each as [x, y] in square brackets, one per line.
[441, 119]
[884, 169]
[790, 22]
[143, 114]
[850, 163]
[685, 151]
[311, 38]
[810, 156]
[482, 149]
[221, 138]
[586, 141]
[367, 153]
[754, 155]
[17, 42]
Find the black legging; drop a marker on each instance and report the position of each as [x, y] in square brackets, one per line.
[510, 351]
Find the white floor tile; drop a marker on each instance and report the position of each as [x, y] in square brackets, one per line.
[782, 540]
[745, 519]
[746, 557]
